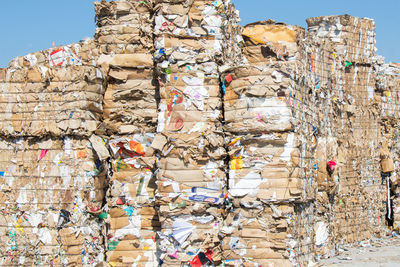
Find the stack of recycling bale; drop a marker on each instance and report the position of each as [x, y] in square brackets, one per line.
[338, 54]
[388, 86]
[125, 39]
[359, 86]
[270, 218]
[133, 220]
[189, 43]
[52, 180]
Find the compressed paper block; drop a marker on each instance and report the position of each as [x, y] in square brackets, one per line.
[52, 192]
[78, 54]
[130, 102]
[280, 234]
[51, 101]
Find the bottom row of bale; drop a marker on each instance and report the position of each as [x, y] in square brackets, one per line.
[71, 201]
[52, 191]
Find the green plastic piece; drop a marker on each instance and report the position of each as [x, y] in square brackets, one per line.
[103, 215]
[113, 245]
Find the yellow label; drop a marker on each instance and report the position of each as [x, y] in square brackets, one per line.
[235, 141]
[19, 228]
[236, 163]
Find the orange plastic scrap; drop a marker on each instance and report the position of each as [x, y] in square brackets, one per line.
[234, 141]
[229, 78]
[81, 154]
[137, 147]
[312, 62]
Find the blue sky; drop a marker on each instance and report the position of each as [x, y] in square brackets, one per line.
[28, 26]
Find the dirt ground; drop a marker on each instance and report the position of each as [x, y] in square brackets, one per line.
[375, 253]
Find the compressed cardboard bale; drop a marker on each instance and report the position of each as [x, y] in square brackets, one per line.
[196, 31]
[132, 236]
[388, 84]
[191, 183]
[82, 53]
[189, 92]
[189, 104]
[233, 40]
[54, 101]
[180, 50]
[352, 38]
[125, 39]
[193, 18]
[266, 101]
[264, 233]
[189, 48]
[193, 231]
[121, 11]
[267, 42]
[132, 216]
[190, 121]
[346, 210]
[261, 100]
[56, 186]
[392, 133]
[265, 167]
[215, 23]
[132, 165]
[130, 100]
[198, 177]
[124, 27]
[266, 136]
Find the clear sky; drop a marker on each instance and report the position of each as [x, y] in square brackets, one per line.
[28, 25]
